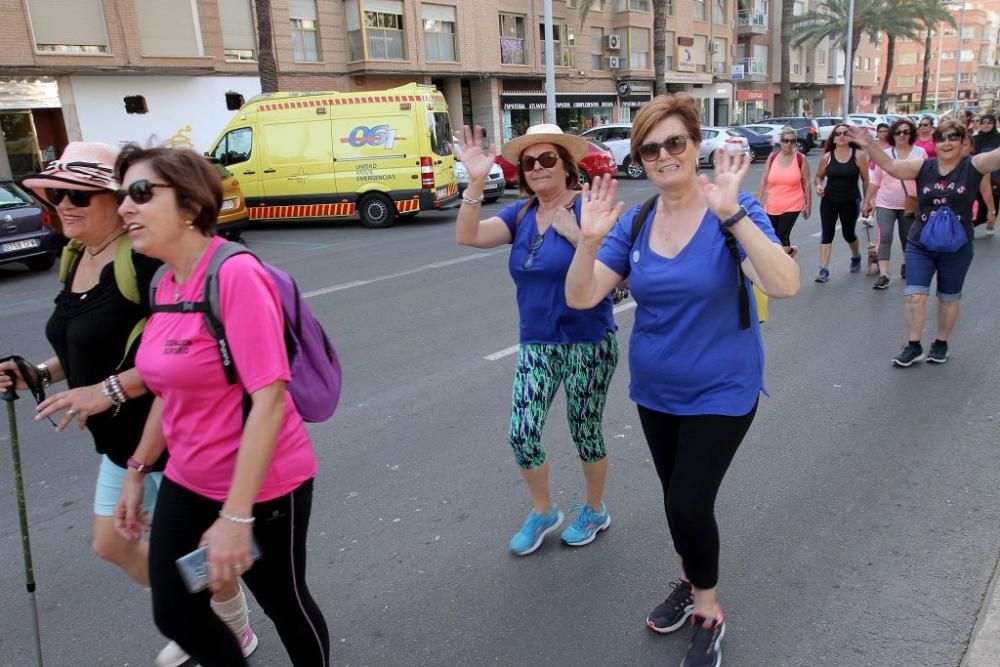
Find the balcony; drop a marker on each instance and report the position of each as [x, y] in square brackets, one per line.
[754, 69]
[751, 22]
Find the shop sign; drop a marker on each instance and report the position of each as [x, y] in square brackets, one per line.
[737, 73]
[623, 88]
[750, 95]
[684, 58]
[687, 77]
[516, 101]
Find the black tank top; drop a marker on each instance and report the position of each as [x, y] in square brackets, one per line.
[842, 179]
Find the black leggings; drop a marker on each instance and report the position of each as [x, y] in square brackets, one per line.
[277, 579]
[783, 223]
[847, 211]
[692, 455]
[985, 206]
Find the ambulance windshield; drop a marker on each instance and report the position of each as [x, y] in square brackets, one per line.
[440, 127]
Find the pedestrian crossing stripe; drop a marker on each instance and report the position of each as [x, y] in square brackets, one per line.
[340, 101]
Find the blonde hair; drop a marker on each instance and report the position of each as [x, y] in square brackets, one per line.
[786, 130]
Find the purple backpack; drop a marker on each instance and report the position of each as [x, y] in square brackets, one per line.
[315, 369]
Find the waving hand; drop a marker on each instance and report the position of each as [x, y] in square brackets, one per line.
[599, 212]
[470, 149]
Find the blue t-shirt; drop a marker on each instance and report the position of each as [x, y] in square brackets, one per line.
[688, 354]
[541, 286]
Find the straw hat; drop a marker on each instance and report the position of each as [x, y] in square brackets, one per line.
[545, 133]
[84, 165]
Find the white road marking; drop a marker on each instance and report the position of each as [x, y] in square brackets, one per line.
[400, 274]
[507, 351]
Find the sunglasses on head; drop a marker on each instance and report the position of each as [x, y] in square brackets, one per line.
[951, 136]
[536, 243]
[79, 198]
[547, 159]
[140, 191]
[673, 145]
[901, 131]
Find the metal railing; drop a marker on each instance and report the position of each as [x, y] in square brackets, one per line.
[752, 18]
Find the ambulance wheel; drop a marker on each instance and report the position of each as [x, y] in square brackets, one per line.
[377, 211]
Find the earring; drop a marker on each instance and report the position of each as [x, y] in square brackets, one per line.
[190, 224]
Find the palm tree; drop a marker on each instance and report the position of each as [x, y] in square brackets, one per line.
[901, 19]
[660, 13]
[787, 17]
[267, 67]
[871, 19]
[931, 13]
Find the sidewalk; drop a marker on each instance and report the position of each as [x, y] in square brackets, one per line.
[984, 648]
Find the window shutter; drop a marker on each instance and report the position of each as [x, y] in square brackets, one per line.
[237, 25]
[302, 9]
[167, 28]
[352, 17]
[384, 6]
[78, 22]
[438, 13]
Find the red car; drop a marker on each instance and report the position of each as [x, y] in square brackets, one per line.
[599, 161]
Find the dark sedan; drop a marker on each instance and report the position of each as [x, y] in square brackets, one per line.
[26, 233]
[759, 146]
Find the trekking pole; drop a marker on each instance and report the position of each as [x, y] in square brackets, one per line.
[29, 572]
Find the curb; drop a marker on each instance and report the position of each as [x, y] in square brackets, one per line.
[984, 646]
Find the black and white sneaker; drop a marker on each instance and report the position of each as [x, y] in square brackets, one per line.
[882, 282]
[705, 648]
[670, 615]
[910, 354]
[938, 354]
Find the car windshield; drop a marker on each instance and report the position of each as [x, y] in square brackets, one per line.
[12, 196]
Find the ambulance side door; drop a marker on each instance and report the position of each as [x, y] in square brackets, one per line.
[379, 154]
[297, 161]
[237, 152]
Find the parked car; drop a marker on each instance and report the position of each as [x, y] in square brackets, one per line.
[618, 137]
[806, 128]
[492, 190]
[759, 146]
[769, 130]
[26, 233]
[716, 138]
[233, 215]
[827, 123]
[599, 161]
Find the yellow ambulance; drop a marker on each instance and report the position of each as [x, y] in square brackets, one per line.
[377, 154]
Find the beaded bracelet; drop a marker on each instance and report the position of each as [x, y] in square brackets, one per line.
[112, 389]
[243, 520]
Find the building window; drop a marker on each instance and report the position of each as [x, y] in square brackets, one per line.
[947, 55]
[561, 49]
[596, 48]
[719, 12]
[719, 48]
[375, 29]
[670, 47]
[699, 10]
[868, 64]
[700, 50]
[439, 33]
[512, 50]
[302, 21]
[238, 40]
[907, 81]
[907, 58]
[822, 56]
[632, 5]
[638, 48]
[968, 56]
[168, 28]
[68, 27]
[966, 77]
[796, 68]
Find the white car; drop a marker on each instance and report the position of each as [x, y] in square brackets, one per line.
[772, 130]
[715, 138]
[494, 187]
[827, 123]
[618, 138]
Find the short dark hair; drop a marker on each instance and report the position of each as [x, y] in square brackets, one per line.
[196, 184]
[828, 146]
[572, 172]
[881, 125]
[898, 124]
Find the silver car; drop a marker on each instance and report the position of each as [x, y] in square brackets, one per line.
[716, 138]
[494, 187]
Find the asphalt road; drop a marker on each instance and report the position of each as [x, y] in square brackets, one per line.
[860, 521]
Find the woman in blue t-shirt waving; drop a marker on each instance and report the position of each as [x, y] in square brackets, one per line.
[575, 348]
[696, 354]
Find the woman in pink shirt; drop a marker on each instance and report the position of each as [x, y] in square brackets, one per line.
[785, 190]
[925, 136]
[241, 463]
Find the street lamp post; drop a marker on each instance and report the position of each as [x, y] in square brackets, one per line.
[937, 77]
[550, 68]
[958, 59]
[850, 57]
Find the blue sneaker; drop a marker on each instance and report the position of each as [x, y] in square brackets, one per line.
[587, 525]
[534, 530]
[823, 275]
[856, 264]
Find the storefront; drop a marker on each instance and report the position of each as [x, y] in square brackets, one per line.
[574, 111]
[714, 98]
[31, 122]
[752, 106]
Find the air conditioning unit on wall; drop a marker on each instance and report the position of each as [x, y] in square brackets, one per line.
[612, 62]
[613, 42]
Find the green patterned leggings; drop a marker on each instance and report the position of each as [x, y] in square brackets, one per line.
[585, 369]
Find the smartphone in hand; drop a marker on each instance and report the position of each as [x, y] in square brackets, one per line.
[193, 567]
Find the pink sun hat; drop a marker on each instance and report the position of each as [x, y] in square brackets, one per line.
[84, 165]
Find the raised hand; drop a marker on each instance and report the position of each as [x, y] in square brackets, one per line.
[723, 192]
[470, 149]
[599, 212]
[860, 136]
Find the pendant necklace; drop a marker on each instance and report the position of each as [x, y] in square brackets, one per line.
[95, 253]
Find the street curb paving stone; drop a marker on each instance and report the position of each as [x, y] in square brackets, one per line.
[984, 647]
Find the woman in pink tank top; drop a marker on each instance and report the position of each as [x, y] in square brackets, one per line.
[785, 190]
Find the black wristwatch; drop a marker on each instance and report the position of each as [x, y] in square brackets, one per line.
[733, 219]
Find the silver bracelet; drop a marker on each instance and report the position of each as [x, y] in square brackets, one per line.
[44, 375]
[242, 520]
[466, 199]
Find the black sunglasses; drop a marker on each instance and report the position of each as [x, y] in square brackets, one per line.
[674, 145]
[140, 191]
[951, 136]
[925, 124]
[788, 141]
[901, 132]
[547, 159]
[535, 245]
[79, 198]
[842, 133]
[986, 122]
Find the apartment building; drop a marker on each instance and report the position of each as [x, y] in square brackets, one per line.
[969, 65]
[167, 71]
[816, 71]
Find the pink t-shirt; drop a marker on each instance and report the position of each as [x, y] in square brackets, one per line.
[927, 145]
[784, 187]
[891, 193]
[202, 413]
